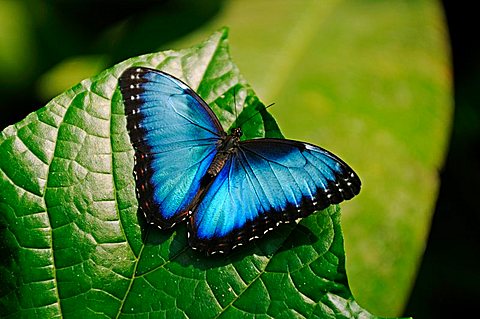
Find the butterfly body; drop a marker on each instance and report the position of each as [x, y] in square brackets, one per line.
[229, 190]
[228, 147]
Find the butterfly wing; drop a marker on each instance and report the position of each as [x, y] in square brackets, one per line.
[174, 134]
[265, 183]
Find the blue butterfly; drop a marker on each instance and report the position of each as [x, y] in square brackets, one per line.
[229, 191]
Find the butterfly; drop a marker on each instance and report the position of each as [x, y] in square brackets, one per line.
[230, 191]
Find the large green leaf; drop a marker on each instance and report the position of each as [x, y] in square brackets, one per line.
[72, 244]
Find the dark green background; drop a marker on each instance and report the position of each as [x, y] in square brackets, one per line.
[447, 283]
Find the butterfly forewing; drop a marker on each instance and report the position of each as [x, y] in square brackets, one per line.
[174, 135]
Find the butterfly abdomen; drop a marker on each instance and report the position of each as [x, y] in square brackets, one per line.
[226, 149]
[217, 164]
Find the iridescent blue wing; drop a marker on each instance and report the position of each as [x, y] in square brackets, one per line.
[265, 183]
[174, 134]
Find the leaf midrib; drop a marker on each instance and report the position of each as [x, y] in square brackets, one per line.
[55, 280]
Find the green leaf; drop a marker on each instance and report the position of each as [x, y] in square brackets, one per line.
[72, 244]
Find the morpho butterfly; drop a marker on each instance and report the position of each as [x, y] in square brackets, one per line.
[229, 191]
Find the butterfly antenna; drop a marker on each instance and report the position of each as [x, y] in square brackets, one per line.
[235, 103]
[253, 115]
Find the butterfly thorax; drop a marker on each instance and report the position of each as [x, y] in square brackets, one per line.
[227, 147]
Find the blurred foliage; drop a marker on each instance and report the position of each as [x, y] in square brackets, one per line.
[46, 46]
[369, 80]
[16, 45]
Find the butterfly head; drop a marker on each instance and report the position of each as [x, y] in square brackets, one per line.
[237, 132]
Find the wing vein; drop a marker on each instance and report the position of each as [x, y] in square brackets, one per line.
[254, 175]
[190, 121]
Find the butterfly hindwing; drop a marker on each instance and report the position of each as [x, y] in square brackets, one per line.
[265, 183]
[174, 134]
